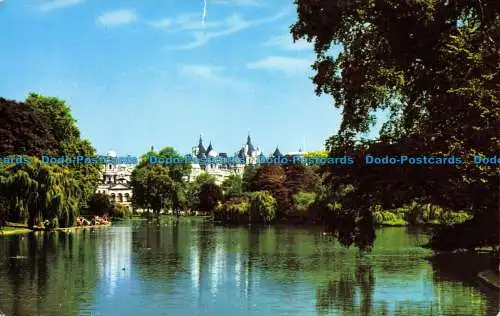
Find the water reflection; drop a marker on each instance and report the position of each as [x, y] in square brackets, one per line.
[190, 267]
[114, 257]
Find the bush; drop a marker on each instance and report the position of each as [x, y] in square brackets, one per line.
[121, 211]
[99, 204]
[262, 207]
[302, 200]
[388, 218]
[235, 210]
[453, 218]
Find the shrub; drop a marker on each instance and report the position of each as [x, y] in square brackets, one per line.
[302, 200]
[379, 218]
[388, 218]
[262, 207]
[235, 210]
[99, 204]
[121, 211]
[453, 218]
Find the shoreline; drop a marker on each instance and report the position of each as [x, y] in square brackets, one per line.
[10, 230]
[18, 228]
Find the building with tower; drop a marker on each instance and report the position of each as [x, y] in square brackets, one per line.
[221, 169]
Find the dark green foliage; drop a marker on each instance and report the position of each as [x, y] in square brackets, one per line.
[210, 197]
[233, 186]
[160, 187]
[453, 218]
[248, 175]
[482, 230]
[24, 130]
[35, 192]
[63, 127]
[193, 190]
[99, 204]
[435, 67]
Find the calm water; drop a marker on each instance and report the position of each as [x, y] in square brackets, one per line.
[193, 268]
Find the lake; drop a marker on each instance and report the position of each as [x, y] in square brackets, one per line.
[191, 267]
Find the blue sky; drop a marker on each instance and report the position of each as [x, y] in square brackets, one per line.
[151, 72]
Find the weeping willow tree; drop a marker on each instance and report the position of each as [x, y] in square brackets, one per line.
[37, 192]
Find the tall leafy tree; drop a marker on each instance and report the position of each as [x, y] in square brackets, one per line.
[434, 66]
[24, 130]
[193, 190]
[37, 191]
[210, 196]
[69, 142]
[272, 178]
[233, 186]
[159, 186]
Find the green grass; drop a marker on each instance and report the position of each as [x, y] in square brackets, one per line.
[6, 230]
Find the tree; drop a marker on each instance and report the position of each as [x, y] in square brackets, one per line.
[193, 190]
[300, 178]
[272, 178]
[210, 197]
[435, 68]
[100, 204]
[262, 207]
[37, 191]
[159, 186]
[249, 173]
[24, 130]
[62, 126]
[233, 186]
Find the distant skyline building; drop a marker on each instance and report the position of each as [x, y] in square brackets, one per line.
[222, 168]
[115, 181]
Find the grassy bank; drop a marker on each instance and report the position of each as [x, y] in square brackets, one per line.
[8, 230]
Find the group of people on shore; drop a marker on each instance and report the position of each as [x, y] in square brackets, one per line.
[96, 220]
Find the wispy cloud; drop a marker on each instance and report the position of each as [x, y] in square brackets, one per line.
[117, 17]
[59, 4]
[287, 65]
[212, 29]
[286, 42]
[186, 22]
[212, 75]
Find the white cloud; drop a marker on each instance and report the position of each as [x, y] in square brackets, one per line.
[59, 4]
[186, 22]
[213, 29]
[118, 17]
[286, 42]
[288, 65]
[212, 75]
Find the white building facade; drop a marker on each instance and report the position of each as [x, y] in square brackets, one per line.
[115, 182]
